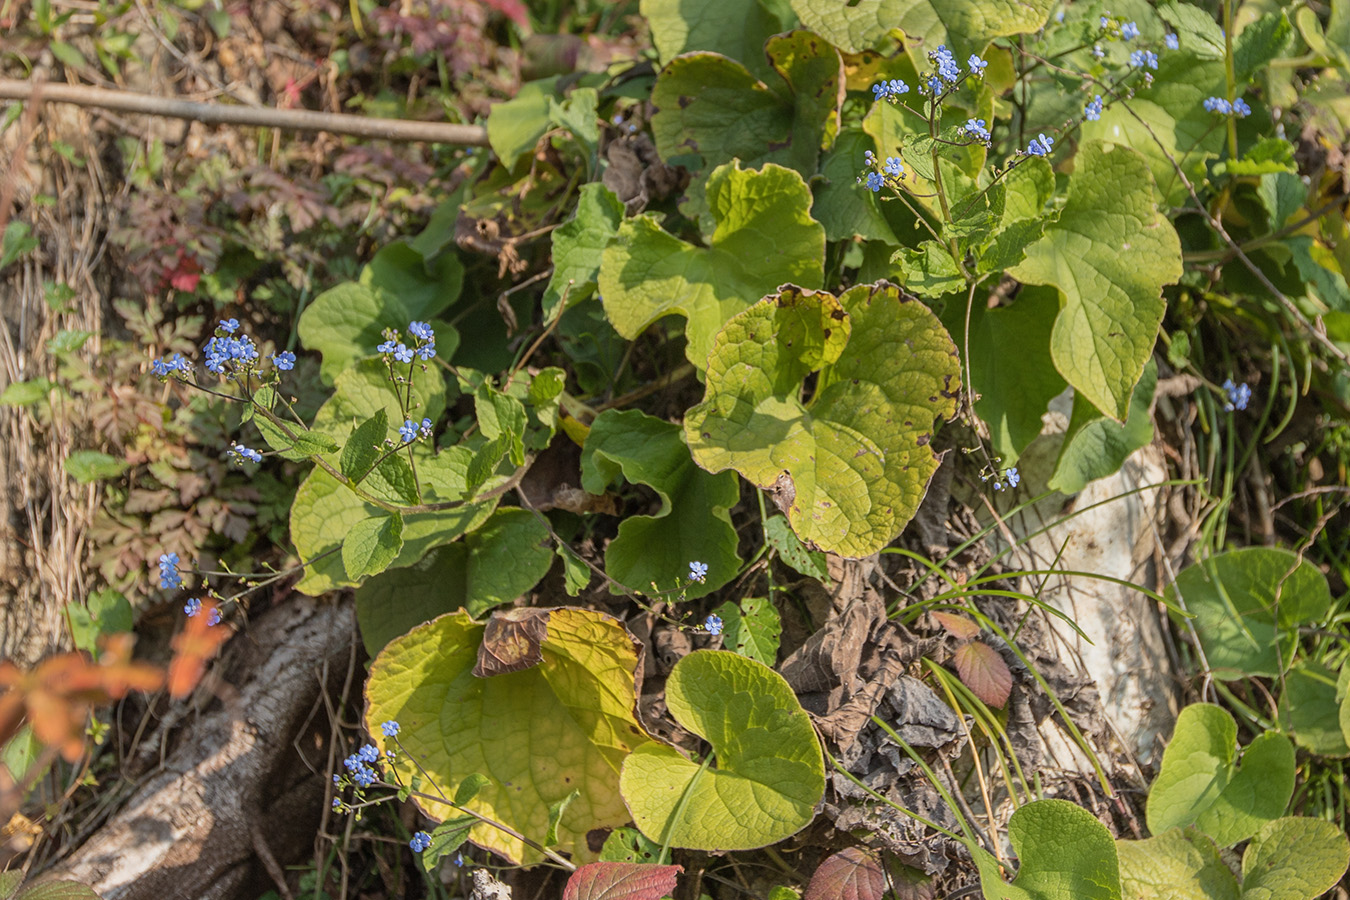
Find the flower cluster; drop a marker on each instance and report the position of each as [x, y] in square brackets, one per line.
[1093, 111]
[1040, 145]
[1171, 41]
[423, 338]
[1144, 59]
[892, 172]
[976, 128]
[1129, 31]
[1237, 108]
[409, 430]
[945, 64]
[1238, 395]
[168, 572]
[360, 766]
[225, 354]
[698, 572]
[1013, 479]
[420, 842]
[889, 90]
[166, 367]
[238, 452]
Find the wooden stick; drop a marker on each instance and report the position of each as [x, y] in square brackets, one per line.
[221, 114]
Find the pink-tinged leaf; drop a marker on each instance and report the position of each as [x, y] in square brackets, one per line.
[621, 881]
[852, 874]
[513, 10]
[957, 626]
[984, 672]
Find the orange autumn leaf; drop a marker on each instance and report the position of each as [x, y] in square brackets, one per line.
[60, 692]
[193, 647]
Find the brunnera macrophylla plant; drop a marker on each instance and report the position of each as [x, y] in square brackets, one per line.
[893, 217]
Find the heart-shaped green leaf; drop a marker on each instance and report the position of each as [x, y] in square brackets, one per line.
[1109, 253]
[733, 28]
[538, 733]
[1065, 854]
[752, 628]
[711, 110]
[1200, 783]
[765, 237]
[1179, 864]
[1309, 711]
[850, 465]
[1294, 858]
[1242, 628]
[694, 522]
[769, 773]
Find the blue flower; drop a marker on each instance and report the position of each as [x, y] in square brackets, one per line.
[875, 180]
[425, 428]
[946, 63]
[1105, 22]
[352, 763]
[364, 776]
[1238, 395]
[387, 347]
[229, 326]
[1144, 59]
[895, 87]
[1013, 478]
[1097, 51]
[698, 572]
[192, 607]
[1093, 111]
[214, 619]
[1241, 108]
[420, 842]
[240, 453]
[390, 728]
[369, 753]
[403, 354]
[166, 367]
[426, 352]
[713, 624]
[408, 431]
[421, 331]
[934, 84]
[1218, 105]
[975, 128]
[284, 361]
[977, 65]
[1040, 145]
[1129, 31]
[894, 167]
[168, 572]
[1171, 42]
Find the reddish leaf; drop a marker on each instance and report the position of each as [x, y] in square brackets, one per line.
[193, 647]
[57, 696]
[185, 274]
[852, 874]
[957, 626]
[621, 881]
[984, 672]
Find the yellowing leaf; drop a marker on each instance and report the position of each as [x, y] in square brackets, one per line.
[537, 734]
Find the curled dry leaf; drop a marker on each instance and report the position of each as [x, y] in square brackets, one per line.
[511, 641]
